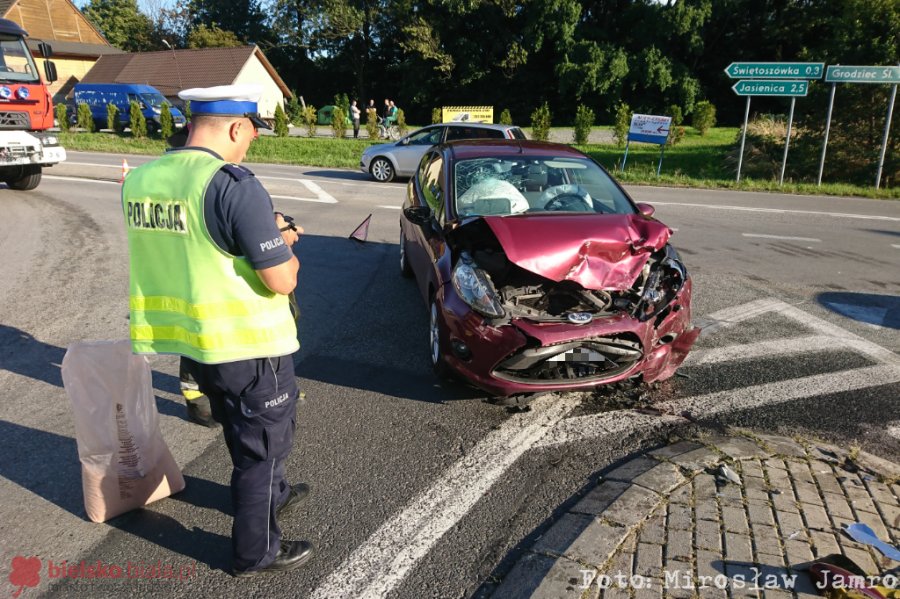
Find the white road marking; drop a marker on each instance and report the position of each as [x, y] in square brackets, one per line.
[779, 211]
[377, 566]
[60, 178]
[784, 237]
[390, 207]
[322, 196]
[895, 245]
[117, 166]
[723, 402]
[893, 429]
[762, 349]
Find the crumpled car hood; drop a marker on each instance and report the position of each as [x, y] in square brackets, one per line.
[597, 251]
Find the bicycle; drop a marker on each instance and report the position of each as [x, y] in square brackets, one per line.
[388, 130]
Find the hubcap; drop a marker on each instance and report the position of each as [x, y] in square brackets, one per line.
[382, 170]
[435, 342]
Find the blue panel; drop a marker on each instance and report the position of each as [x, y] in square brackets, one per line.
[649, 139]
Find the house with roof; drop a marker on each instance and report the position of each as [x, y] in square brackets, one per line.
[76, 43]
[170, 71]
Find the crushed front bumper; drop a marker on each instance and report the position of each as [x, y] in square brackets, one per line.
[525, 356]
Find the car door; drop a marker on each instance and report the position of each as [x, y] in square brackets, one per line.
[429, 242]
[409, 150]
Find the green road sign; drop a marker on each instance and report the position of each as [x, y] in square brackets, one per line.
[842, 74]
[770, 87]
[775, 70]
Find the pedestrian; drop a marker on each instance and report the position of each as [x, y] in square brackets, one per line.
[354, 115]
[211, 270]
[387, 108]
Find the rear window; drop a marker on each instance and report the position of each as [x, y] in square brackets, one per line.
[517, 133]
[457, 132]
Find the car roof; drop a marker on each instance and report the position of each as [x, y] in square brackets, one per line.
[474, 148]
[476, 125]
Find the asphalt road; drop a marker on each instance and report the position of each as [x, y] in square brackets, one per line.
[421, 488]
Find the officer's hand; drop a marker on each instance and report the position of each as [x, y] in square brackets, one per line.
[290, 232]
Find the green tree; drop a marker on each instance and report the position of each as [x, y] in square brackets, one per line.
[372, 123]
[281, 122]
[186, 110]
[62, 116]
[676, 131]
[339, 122]
[245, 19]
[309, 119]
[212, 36]
[166, 124]
[138, 122]
[122, 23]
[401, 122]
[704, 117]
[294, 110]
[506, 117]
[435, 116]
[84, 118]
[112, 117]
[540, 122]
[584, 120]
[622, 124]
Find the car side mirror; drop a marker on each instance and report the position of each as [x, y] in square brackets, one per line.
[404, 141]
[419, 215]
[646, 209]
[50, 71]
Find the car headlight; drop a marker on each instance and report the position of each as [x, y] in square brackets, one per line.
[475, 288]
[49, 140]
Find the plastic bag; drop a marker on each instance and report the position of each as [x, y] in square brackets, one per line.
[125, 463]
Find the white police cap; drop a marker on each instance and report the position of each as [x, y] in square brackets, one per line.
[226, 100]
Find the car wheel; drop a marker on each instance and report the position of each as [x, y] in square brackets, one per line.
[382, 170]
[434, 336]
[405, 268]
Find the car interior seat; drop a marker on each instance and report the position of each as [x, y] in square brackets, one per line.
[536, 179]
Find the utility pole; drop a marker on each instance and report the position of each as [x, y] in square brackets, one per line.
[175, 60]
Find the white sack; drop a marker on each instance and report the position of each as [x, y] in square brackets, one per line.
[125, 463]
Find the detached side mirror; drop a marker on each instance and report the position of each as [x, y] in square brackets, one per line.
[419, 215]
[50, 71]
[646, 209]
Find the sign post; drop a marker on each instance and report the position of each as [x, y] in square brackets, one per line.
[789, 79]
[861, 74]
[649, 129]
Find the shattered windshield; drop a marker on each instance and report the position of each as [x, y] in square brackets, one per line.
[16, 63]
[515, 185]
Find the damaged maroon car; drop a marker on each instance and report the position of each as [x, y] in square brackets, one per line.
[540, 272]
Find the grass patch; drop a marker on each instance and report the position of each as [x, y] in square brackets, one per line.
[695, 162]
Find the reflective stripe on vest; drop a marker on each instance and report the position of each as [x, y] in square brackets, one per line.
[187, 295]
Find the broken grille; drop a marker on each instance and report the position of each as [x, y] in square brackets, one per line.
[594, 359]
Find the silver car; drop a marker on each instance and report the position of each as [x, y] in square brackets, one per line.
[401, 158]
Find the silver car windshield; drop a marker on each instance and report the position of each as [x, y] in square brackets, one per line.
[506, 186]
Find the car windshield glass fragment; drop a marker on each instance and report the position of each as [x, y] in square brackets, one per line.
[16, 63]
[504, 186]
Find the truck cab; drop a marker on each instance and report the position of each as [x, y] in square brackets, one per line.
[99, 95]
[26, 111]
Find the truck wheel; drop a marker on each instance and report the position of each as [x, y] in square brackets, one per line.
[26, 179]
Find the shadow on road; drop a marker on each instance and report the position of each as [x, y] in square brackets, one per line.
[203, 493]
[22, 354]
[44, 463]
[879, 310]
[342, 175]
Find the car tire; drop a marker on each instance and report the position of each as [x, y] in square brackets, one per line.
[26, 179]
[434, 337]
[405, 268]
[382, 170]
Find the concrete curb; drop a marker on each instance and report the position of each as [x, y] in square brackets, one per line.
[667, 523]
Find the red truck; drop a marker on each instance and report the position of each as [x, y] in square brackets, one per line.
[26, 111]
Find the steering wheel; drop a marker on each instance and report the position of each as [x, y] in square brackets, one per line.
[568, 202]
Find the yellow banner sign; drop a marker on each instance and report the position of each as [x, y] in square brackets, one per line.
[467, 114]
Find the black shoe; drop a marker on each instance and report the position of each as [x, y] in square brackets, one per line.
[295, 497]
[291, 556]
[199, 412]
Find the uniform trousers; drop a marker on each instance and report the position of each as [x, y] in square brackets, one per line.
[255, 401]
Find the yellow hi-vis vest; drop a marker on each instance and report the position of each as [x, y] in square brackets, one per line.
[188, 296]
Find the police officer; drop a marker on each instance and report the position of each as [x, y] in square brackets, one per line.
[211, 272]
